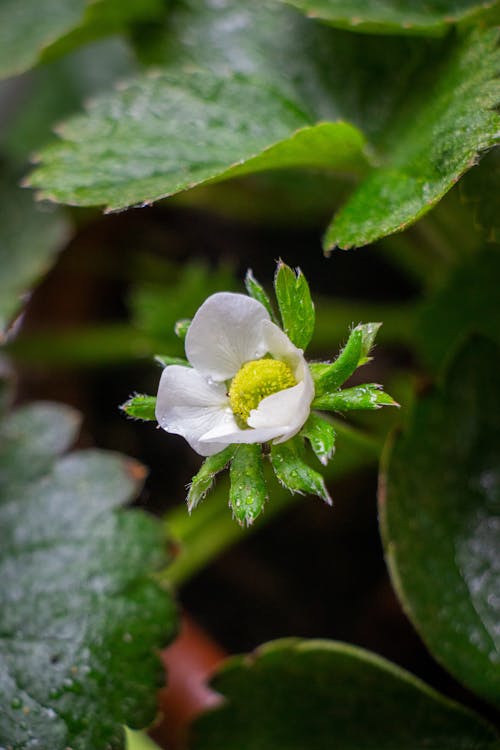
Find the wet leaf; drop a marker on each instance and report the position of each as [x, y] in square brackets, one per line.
[80, 616]
[440, 511]
[297, 694]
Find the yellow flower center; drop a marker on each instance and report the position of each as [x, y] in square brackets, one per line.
[256, 380]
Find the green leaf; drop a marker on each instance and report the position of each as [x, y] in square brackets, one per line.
[393, 16]
[30, 237]
[60, 26]
[295, 303]
[422, 127]
[439, 516]
[248, 492]
[297, 694]
[202, 481]
[367, 396]
[139, 741]
[321, 435]
[437, 136]
[140, 406]
[188, 141]
[258, 292]
[466, 304]
[80, 615]
[480, 188]
[293, 473]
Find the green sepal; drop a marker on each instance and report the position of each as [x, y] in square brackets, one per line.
[248, 487]
[181, 328]
[165, 360]
[369, 332]
[295, 303]
[367, 396]
[202, 481]
[258, 292]
[321, 436]
[353, 355]
[292, 472]
[140, 406]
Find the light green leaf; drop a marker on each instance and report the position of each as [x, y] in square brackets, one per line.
[439, 512]
[394, 16]
[436, 137]
[202, 481]
[186, 139]
[366, 396]
[30, 237]
[80, 616]
[139, 741]
[248, 492]
[331, 695]
[321, 435]
[293, 473]
[419, 110]
[140, 406]
[295, 303]
[258, 292]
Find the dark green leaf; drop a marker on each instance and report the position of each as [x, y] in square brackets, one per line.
[393, 16]
[480, 187]
[30, 237]
[294, 694]
[293, 473]
[140, 406]
[321, 435]
[439, 513]
[202, 481]
[295, 303]
[435, 138]
[467, 303]
[80, 616]
[248, 492]
[258, 292]
[367, 396]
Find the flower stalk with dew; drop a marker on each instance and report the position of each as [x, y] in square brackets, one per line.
[246, 385]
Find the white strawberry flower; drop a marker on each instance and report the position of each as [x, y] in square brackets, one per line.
[247, 382]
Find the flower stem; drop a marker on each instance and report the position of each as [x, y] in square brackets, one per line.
[210, 529]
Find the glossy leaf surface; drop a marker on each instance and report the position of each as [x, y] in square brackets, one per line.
[393, 16]
[305, 694]
[440, 516]
[80, 616]
[419, 110]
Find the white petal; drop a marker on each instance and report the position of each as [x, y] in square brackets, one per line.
[279, 345]
[189, 405]
[225, 333]
[232, 433]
